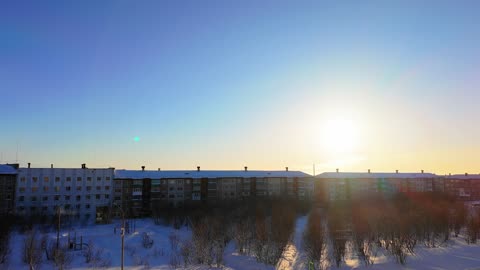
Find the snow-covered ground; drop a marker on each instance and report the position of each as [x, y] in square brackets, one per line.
[454, 255]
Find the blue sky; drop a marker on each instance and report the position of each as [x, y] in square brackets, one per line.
[224, 84]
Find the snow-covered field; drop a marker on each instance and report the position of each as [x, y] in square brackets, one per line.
[454, 255]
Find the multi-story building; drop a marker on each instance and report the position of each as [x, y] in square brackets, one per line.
[82, 193]
[8, 176]
[345, 186]
[464, 187]
[178, 188]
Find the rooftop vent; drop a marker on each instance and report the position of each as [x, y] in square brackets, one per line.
[337, 170]
[368, 170]
[51, 166]
[84, 166]
[286, 169]
[396, 171]
[245, 168]
[143, 168]
[422, 171]
[466, 174]
[198, 168]
[159, 169]
[28, 165]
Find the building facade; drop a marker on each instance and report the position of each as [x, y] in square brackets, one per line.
[465, 187]
[8, 177]
[83, 193]
[144, 191]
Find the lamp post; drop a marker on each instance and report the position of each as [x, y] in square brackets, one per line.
[122, 233]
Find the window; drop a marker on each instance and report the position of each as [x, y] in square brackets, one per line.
[45, 188]
[171, 196]
[118, 198]
[22, 179]
[180, 188]
[118, 182]
[22, 189]
[44, 208]
[57, 179]
[79, 179]
[137, 182]
[87, 197]
[77, 206]
[107, 196]
[89, 188]
[56, 198]
[97, 196]
[171, 182]
[67, 206]
[156, 182]
[68, 188]
[69, 179]
[118, 190]
[99, 179]
[34, 179]
[180, 181]
[45, 198]
[79, 188]
[99, 188]
[188, 181]
[107, 187]
[57, 189]
[87, 206]
[137, 189]
[107, 178]
[79, 197]
[34, 189]
[33, 199]
[67, 198]
[21, 198]
[33, 209]
[45, 179]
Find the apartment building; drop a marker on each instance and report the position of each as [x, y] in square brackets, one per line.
[82, 193]
[465, 187]
[144, 190]
[344, 185]
[8, 177]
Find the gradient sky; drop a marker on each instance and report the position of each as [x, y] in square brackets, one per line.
[224, 84]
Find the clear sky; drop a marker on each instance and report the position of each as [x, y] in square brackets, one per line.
[355, 85]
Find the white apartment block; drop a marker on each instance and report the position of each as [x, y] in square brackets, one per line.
[78, 192]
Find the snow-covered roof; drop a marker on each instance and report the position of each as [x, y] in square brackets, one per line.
[7, 169]
[138, 174]
[463, 176]
[364, 175]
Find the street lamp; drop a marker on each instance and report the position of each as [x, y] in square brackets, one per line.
[122, 232]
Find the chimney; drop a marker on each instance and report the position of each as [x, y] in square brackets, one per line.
[466, 174]
[143, 168]
[396, 171]
[84, 166]
[422, 171]
[158, 169]
[51, 166]
[198, 168]
[29, 165]
[337, 170]
[286, 168]
[368, 170]
[245, 168]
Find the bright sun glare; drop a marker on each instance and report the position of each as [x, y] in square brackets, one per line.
[340, 135]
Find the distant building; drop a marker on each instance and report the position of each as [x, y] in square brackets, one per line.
[82, 193]
[348, 185]
[144, 190]
[465, 187]
[8, 176]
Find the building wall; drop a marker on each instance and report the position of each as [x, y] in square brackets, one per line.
[7, 193]
[79, 192]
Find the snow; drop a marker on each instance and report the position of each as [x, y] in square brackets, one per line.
[455, 255]
[361, 175]
[139, 174]
[463, 176]
[7, 169]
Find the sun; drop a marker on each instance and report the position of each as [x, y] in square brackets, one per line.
[339, 135]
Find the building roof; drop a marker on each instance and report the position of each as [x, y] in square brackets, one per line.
[463, 176]
[363, 175]
[7, 169]
[138, 174]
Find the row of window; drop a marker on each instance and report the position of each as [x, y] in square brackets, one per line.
[57, 179]
[68, 188]
[66, 197]
[53, 208]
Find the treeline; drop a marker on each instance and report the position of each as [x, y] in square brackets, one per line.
[396, 224]
[258, 228]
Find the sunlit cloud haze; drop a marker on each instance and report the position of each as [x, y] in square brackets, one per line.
[223, 84]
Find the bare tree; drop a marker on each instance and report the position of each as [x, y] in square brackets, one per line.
[314, 242]
[32, 250]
